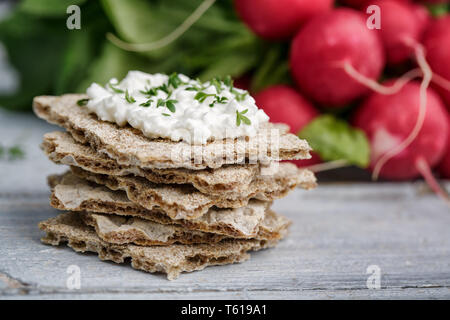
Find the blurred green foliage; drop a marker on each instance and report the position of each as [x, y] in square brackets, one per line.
[335, 139]
[52, 59]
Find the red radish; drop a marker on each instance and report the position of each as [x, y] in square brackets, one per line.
[364, 3]
[437, 44]
[434, 1]
[283, 104]
[243, 82]
[279, 19]
[327, 42]
[388, 120]
[423, 17]
[399, 29]
[444, 166]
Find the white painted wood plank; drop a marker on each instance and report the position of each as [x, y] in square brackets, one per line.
[338, 231]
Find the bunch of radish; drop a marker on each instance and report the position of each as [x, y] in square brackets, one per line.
[336, 61]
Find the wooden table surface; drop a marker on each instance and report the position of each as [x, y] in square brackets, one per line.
[339, 231]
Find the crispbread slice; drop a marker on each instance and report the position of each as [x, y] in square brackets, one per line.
[253, 221]
[172, 260]
[124, 230]
[61, 148]
[185, 202]
[129, 147]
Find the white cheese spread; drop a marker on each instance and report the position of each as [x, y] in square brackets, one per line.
[177, 107]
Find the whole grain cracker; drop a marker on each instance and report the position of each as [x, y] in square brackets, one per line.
[128, 146]
[253, 221]
[185, 202]
[231, 180]
[172, 260]
[128, 230]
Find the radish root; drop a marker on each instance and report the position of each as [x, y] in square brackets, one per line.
[425, 171]
[328, 165]
[427, 76]
[377, 87]
[441, 81]
[171, 37]
[398, 84]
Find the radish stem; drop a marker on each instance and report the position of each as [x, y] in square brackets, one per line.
[171, 37]
[328, 165]
[427, 76]
[425, 171]
[377, 87]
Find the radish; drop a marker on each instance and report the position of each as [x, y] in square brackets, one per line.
[399, 29]
[437, 44]
[243, 82]
[279, 19]
[388, 121]
[444, 166]
[324, 45]
[363, 3]
[423, 17]
[283, 104]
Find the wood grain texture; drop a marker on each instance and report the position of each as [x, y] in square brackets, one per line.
[338, 231]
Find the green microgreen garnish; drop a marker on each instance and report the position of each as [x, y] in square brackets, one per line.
[228, 81]
[129, 98]
[149, 91]
[82, 102]
[170, 104]
[116, 90]
[239, 96]
[241, 118]
[146, 103]
[221, 100]
[166, 114]
[201, 96]
[160, 103]
[174, 80]
[217, 83]
[164, 87]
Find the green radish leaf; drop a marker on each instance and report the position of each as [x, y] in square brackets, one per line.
[48, 8]
[334, 139]
[112, 63]
[35, 53]
[438, 9]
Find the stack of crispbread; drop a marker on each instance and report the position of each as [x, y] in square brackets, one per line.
[167, 206]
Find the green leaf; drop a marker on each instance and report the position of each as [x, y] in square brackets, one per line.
[83, 47]
[82, 102]
[240, 117]
[15, 153]
[201, 96]
[48, 8]
[170, 104]
[438, 9]
[112, 63]
[160, 103]
[334, 139]
[174, 80]
[35, 56]
[146, 103]
[116, 90]
[129, 98]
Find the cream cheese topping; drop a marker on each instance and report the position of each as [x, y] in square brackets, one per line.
[177, 107]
